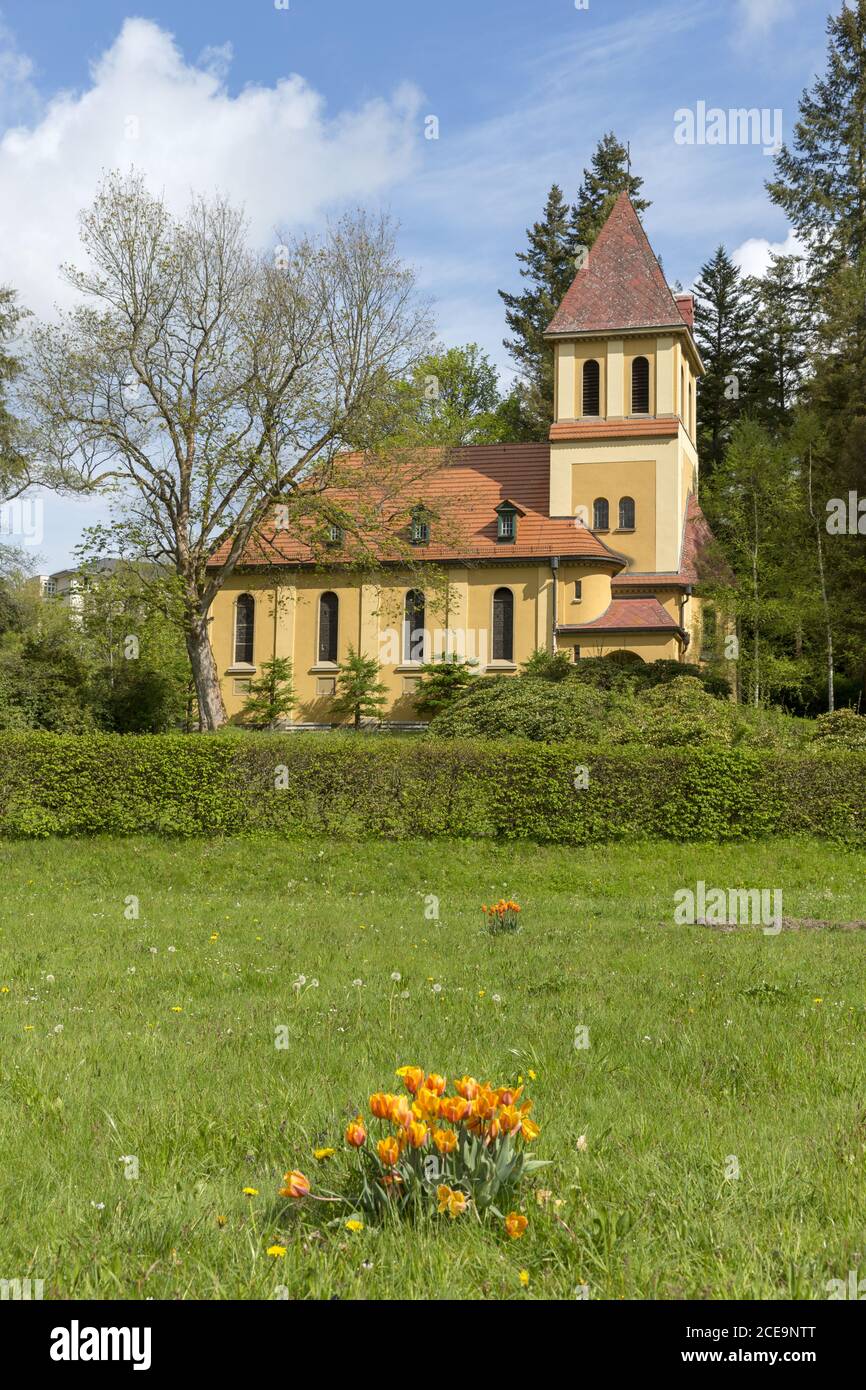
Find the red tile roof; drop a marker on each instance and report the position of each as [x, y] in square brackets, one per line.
[621, 285]
[462, 494]
[648, 427]
[629, 615]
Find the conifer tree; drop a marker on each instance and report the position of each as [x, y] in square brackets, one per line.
[360, 692]
[271, 695]
[820, 181]
[609, 175]
[548, 265]
[781, 339]
[722, 331]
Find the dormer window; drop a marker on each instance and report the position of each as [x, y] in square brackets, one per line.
[335, 534]
[420, 531]
[506, 528]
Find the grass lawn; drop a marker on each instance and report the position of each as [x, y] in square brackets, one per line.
[155, 1038]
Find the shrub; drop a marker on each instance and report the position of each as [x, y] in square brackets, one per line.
[607, 673]
[396, 788]
[552, 666]
[843, 728]
[678, 713]
[532, 707]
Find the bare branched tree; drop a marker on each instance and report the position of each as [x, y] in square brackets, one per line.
[208, 385]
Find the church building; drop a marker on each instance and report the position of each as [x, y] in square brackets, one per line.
[587, 543]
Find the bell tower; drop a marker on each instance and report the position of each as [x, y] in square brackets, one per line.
[622, 443]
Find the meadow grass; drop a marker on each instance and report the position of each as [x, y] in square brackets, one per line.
[154, 1038]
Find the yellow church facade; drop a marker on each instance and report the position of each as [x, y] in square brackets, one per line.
[588, 542]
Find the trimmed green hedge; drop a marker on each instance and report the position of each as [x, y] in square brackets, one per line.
[389, 787]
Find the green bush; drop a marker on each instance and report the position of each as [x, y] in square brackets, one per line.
[677, 713]
[843, 728]
[395, 788]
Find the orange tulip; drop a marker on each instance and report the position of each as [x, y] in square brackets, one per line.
[509, 1095]
[445, 1140]
[388, 1151]
[356, 1134]
[400, 1111]
[426, 1103]
[515, 1224]
[412, 1077]
[417, 1134]
[483, 1105]
[453, 1108]
[379, 1105]
[436, 1083]
[467, 1087]
[296, 1185]
[530, 1130]
[510, 1119]
[451, 1200]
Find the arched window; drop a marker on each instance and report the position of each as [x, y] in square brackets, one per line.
[626, 513]
[413, 626]
[503, 625]
[245, 623]
[640, 386]
[591, 387]
[329, 607]
[600, 514]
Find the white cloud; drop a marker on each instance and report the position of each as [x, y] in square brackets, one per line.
[753, 255]
[757, 17]
[18, 98]
[274, 149]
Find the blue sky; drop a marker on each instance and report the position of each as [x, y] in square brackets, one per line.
[299, 111]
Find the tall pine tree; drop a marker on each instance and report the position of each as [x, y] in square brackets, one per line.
[781, 337]
[549, 267]
[821, 184]
[548, 264]
[609, 175]
[722, 331]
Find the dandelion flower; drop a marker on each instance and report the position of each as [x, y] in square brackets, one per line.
[321, 1154]
[354, 1225]
[524, 1277]
[251, 1192]
[277, 1252]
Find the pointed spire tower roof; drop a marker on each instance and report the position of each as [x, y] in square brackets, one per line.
[621, 286]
